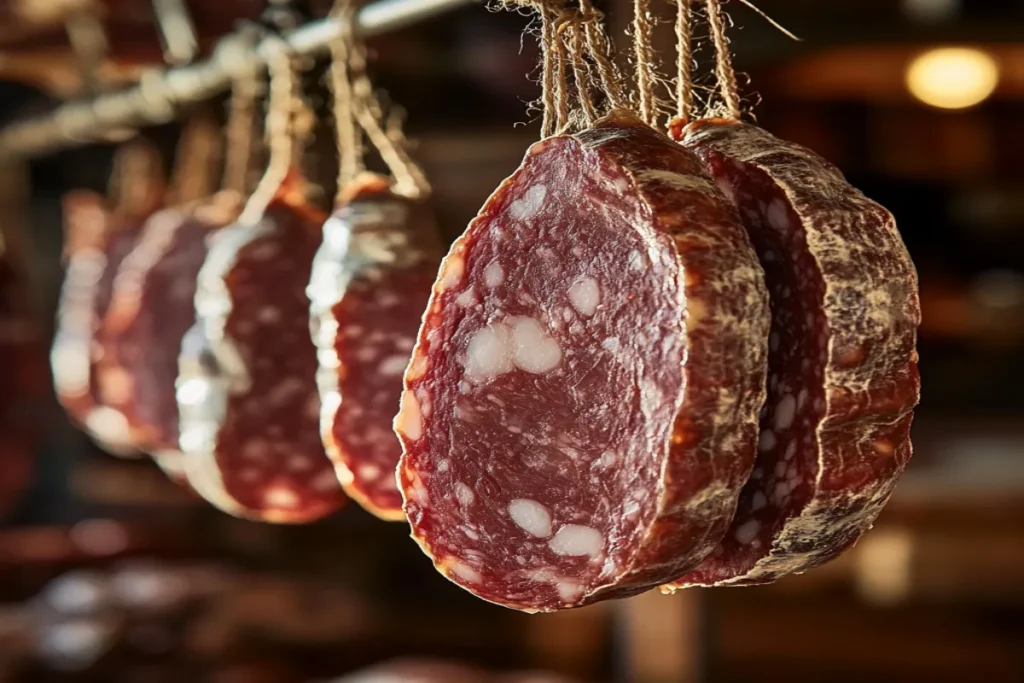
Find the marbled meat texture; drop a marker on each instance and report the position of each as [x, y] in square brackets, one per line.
[246, 390]
[843, 379]
[151, 310]
[581, 408]
[371, 280]
[96, 242]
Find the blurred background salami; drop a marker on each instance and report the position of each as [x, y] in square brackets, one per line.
[111, 572]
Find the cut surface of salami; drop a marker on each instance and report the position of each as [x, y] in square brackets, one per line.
[843, 379]
[96, 242]
[371, 280]
[246, 389]
[151, 310]
[581, 408]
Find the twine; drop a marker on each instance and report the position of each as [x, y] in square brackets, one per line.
[282, 108]
[358, 112]
[239, 133]
[684, 62]
[199, 149]
[643, 50]
[724, 70]
[599, 50]
[136, 177]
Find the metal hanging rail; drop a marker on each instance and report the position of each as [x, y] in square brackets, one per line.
[158, 95]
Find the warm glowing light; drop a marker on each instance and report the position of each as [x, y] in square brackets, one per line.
[953, 77]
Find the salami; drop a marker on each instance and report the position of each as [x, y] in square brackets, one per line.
[370, 283]
[581, 408]
[246, 389]
[95, 244]
[843, 377]
[151, 310]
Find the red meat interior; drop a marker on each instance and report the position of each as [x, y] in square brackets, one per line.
[540, 483]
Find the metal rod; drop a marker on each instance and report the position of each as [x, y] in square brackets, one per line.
[158, 95]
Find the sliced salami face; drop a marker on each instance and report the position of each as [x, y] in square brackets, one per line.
[843, 380]
[370, 284]
[246, 389]
[581, 408]
[151, 309]
[96, 242]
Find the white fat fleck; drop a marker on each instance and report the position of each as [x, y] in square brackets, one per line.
[782, 490]
[790, 450]
[394, 365]
[585, 295]
[631, 508]
[773, 341]
[464, 571]
[109, 425]
[778, 217]
[471, 534]
[747, 532]
[576, 539]
[785, 412]
[758, 502]
[464, 494]
[531, 517]
[650, 397]
[607, 459]
[269, 315]
[533, 349]
[494, 275]
[611, 344]
[280, 497]
[325, 481]
[467, 298]
[442, 465]
[780, 468]
[489, 353]
[409, 420]
[568, 590]
[766, 441]
[529, 204]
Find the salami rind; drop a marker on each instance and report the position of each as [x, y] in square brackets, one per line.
[151, 310]
[96, 242]
[246, 389]
[371, 280]
[843, 378]
[581, 408]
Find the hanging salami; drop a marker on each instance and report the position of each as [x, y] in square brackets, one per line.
[581, 408]
[246, 390]
[843, 379]
[151, 311]
[152, 303]
[96, 242]
[370, 283]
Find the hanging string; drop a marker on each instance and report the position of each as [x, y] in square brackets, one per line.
[580, 67]
[643, 35]
[361, 107]
[600, 51]
[136, 179]
[239, 133]
[684, 62]
[350, 142]
[281, 111]
[198, 151]
[723, 60]
[549, 96]
[563, 98]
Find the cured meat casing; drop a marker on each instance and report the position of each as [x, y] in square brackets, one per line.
[246, 389]
[581, 408]
[151, 310]
[370, 283]
[96, 244]
[843, 378]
